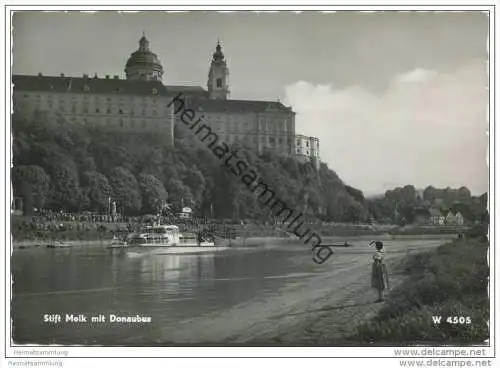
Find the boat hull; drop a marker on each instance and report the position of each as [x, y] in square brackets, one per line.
[170, 249]
[178, 249]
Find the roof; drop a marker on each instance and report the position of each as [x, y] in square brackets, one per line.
[147, 58]
[238, 106]
[186, 88]
[301, 136]
[87, 84]
[189, 91]
[435, 212]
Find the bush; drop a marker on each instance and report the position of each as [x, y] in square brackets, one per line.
[449, 281]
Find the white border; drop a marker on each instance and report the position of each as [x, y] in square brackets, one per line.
[238, 351]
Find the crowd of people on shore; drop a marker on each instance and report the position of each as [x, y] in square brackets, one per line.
[50, 221]
[44, 216]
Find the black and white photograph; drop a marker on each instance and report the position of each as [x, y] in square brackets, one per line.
[250, 179]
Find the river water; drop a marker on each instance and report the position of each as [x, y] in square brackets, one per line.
[170, 289]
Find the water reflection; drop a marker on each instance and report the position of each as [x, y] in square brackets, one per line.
[176, 272]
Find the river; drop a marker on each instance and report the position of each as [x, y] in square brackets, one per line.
[190, 299]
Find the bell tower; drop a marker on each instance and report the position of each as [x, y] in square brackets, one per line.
[218, 76]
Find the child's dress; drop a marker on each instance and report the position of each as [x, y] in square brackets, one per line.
[379, 272]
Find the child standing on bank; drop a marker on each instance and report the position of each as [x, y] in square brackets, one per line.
[380, 280]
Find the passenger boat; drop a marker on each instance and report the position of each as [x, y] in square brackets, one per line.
[165, 239]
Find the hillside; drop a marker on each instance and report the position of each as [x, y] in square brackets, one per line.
[62, 166]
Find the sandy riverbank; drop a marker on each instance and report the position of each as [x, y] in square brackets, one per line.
[314, 311]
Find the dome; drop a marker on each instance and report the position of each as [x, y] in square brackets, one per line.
[143, 64]
[141, 57]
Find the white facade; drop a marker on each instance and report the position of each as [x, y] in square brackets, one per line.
[307, 146]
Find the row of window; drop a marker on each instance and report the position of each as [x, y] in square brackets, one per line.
[306, 152]
[238, 125]
[107, 111]
[298, 143]
[85, 109]
[255, 139]
[119, 122]
[96, 98]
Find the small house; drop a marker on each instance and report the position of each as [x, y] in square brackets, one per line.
[436, 217]
[450, 219]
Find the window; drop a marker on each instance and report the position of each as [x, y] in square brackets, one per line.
[108, 111]
[219, 83]
[97, 110]
[307, 144]
[120, 111]
[154, 91]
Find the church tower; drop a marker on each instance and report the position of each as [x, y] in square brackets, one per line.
[143, 64]
[218, 76]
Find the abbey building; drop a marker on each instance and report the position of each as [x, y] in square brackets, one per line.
[141, 102]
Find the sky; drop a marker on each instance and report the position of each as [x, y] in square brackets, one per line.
[395, 98]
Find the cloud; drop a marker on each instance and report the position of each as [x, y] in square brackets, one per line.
[416, 76]
[426, 128]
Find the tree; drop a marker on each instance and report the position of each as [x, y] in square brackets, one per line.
[67, 193]
[408, 194]
[126, 190]
[430, 194]
[153, 192]
[355, 193]
[464, 194]
[97, 189]
[195, 181]
[32, 183]
[178, 192]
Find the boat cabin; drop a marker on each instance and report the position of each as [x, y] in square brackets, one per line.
[159, 234]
